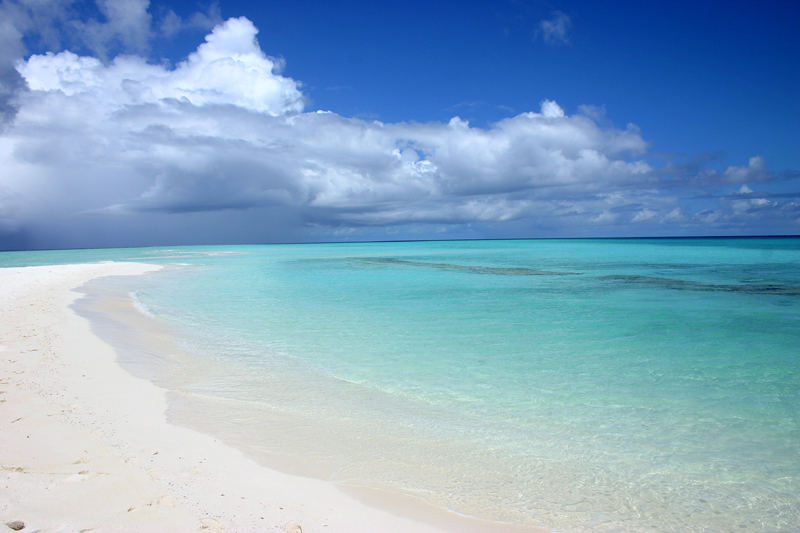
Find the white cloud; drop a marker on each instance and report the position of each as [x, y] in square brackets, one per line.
[604, 217]
[229, 68]
[551, 109]
[225, 132]
[751, 206]
[555, 30]
[754, 171]
[676, 215]
[708, 216]
[643, 215]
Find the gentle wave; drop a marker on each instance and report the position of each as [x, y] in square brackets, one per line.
[139, 305]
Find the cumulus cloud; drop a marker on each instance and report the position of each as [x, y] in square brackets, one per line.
[120, 26]
[224, 130]
[555, 30]
[228, 69]
[223, 139]
[754, 171]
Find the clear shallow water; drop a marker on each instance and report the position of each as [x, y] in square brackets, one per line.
[581, 385]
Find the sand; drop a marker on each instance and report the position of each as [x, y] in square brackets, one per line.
[84, 445]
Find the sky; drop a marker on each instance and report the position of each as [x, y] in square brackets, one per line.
[131, 123]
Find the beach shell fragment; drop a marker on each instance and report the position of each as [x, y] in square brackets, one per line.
[16, 525]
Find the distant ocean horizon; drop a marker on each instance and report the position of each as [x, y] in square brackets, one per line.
[604, 384]
[371, 241]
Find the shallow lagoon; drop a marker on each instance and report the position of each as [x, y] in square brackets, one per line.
[577, 384]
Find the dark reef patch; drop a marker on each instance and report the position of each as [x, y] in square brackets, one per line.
[475, 269]
[769, 288]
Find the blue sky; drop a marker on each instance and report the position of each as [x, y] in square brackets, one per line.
[728, 69]
[716, 77]
[443, 120]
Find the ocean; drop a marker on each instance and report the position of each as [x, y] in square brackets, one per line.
[579, 385]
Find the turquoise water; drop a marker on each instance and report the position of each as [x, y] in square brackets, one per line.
[577, 384]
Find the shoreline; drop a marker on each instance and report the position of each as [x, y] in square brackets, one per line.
[119, 462]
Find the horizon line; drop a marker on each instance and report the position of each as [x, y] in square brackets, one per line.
[465, 239]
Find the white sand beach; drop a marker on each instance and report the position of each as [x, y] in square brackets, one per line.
[86, 446]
